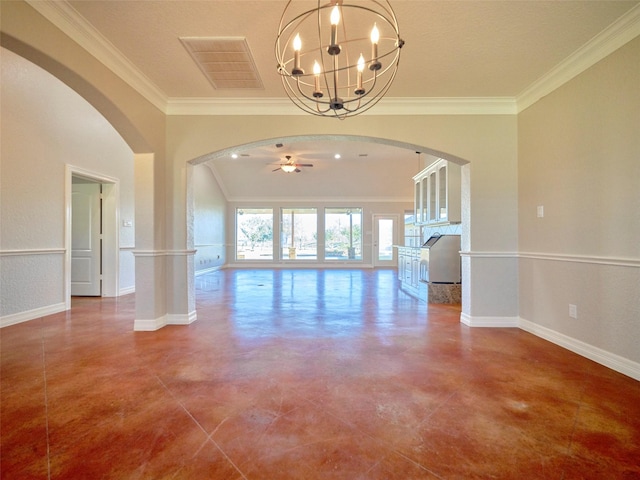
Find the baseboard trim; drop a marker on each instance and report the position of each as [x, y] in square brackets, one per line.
[492, 322]
[182, 319]
[602, 357]
[608, 359]
[150, 325]
[302, 266]
[127, 291]
[21, 317]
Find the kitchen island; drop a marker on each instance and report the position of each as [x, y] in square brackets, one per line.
[409, 275]
[409, 272]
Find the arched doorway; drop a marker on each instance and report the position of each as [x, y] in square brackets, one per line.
[319, 141]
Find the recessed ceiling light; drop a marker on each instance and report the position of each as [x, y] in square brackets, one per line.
[337, 156]
[234, 155]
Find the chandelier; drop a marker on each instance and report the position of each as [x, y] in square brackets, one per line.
[339, 58]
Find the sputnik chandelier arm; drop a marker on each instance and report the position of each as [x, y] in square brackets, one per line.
[340, 58]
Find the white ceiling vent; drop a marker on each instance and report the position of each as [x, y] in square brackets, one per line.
[225, 61]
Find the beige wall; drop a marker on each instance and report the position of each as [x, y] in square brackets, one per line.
[139, 123]
[209, 220]
[575, 152]
[487, 142]
[579, 157]
[45, 125]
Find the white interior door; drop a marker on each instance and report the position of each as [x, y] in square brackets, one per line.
[385, 235]
[85, 239]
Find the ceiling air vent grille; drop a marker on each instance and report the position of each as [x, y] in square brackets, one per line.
[225, 61]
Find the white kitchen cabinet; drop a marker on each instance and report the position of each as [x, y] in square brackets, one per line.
[409, 272]
[417, 211]
[438, 194]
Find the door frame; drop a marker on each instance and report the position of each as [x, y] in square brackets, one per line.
[110, 230]
[374, 240]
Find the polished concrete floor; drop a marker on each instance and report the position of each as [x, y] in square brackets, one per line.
[305, 374]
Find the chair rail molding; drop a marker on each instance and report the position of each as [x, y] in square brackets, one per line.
[32, 251]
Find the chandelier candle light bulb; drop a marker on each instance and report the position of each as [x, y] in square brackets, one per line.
[334, 48]
[375, 38]
[359, 89]
[317, 93]
[297, 46]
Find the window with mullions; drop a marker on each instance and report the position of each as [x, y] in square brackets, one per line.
[254, 234]
[343, 234]
[299, 234]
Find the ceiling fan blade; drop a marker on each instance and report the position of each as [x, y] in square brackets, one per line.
[304, 164]
[297, 170]
[276, 169]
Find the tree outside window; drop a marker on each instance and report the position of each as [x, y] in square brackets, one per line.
[343, 233]
[254, 234]
[299, 234]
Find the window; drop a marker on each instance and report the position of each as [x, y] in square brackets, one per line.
[254, 234]
[299, 234]
[343, 234]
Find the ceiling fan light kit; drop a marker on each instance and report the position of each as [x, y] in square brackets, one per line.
[290, 166]
[340, 58]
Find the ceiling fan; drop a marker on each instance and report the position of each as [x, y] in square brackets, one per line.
[290, 166]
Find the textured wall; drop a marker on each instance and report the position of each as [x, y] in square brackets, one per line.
[488, 142]
[209, 220]
[579, 158]
[46, 125]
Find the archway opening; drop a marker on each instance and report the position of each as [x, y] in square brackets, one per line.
[232, 199]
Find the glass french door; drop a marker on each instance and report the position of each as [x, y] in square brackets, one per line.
[385, 235]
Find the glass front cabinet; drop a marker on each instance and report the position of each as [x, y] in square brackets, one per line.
[438, 194]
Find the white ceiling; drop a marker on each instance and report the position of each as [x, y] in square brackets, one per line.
[365, 171]
[454, 50]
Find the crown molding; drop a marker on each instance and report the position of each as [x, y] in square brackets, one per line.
[74, 25]
[622, 31]
[386, 106]
[67, 19]
[231, 106]
[447, 106]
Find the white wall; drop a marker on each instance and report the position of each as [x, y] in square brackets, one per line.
[579, 158]
[209, 220]
[488, 142]
[575, 152]
[46, 125]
